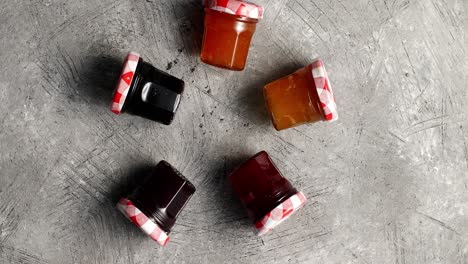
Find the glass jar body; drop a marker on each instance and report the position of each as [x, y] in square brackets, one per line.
[293, 100]
[260, 186]
[154, 94]
[163, 195]
[226, 39]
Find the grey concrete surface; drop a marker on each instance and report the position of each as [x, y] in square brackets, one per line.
[387, 182]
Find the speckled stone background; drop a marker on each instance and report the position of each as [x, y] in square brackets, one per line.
[387, 182]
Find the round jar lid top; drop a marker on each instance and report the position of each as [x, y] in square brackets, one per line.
[324, 90]
[237, 7]
[125, 80]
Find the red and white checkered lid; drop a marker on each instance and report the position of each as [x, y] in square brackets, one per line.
[324, 90]
[142, 221]
[280, 213]
[125, 80]
[236, 7]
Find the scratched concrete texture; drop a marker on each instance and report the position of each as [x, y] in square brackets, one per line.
[386, 183]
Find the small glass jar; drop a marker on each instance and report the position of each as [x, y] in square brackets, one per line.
[155, 205]
[146, 91]
[229, 28]
[303, 97]
[267, 196]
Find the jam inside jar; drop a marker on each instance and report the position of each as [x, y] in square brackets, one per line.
[304, 96]
[229, 28]
[263, 191]
[146, 91]
[155, 205]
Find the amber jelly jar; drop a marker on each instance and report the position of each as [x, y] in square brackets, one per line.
[304, 96]
[228, 33]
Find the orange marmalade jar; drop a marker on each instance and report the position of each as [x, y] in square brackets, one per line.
[229, 28]
[304, 96]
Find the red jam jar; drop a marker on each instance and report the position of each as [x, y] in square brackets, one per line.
[155, 205]
[146, 91]
[304, 96]
[229, 28]
[268, 197]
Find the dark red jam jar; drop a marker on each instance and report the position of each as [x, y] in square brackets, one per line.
[146, 91]
[268, 197]
[155, 205]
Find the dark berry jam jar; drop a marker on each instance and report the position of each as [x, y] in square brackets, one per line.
[146, 91]
[155, 205]
[268, 197]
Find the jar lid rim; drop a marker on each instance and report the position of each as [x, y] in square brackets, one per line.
[125, 81]
[280, 213]
[145, 223]
[236, 7]
[324, 90]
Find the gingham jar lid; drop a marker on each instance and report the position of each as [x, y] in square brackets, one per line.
[324, 90]
[236, 7]
[125, 80]
[146, 224]
[280, 213]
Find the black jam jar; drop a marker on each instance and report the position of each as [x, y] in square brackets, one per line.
[146, 91]
[155, 205]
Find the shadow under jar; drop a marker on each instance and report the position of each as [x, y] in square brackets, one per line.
[304, 96]
[229, 28]
[146, 91]
[268, 197]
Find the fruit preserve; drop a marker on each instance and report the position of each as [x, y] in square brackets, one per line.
[146, 91]
[267, 196]
[305, 96]
[229, 28]
[155, 205]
